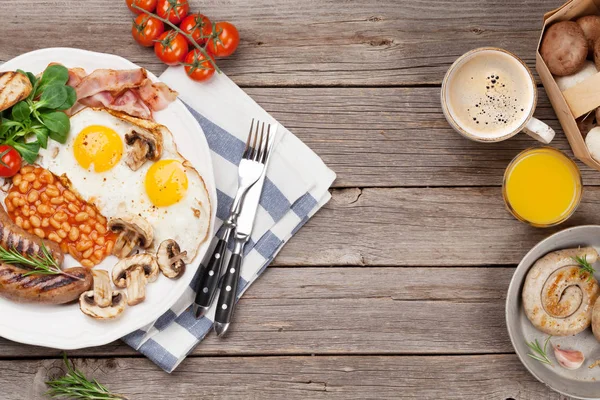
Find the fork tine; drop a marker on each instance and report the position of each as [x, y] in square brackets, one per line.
[265, 146]
[247, 149]
[259, 148]
[252, 154]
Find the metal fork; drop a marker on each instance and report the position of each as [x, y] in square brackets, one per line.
[241, 236]
[250, 170]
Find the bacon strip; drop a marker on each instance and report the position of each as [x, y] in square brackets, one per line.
[109, 80]
[129, 91]
[75, 76]
[101, 99]
[128, 103]
[157, 96]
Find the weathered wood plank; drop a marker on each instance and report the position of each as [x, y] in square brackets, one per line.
[397, 137]
[354, 311]
[492, 377]
[311, 42]
[421, 227]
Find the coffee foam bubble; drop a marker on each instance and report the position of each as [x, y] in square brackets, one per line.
[490, 94]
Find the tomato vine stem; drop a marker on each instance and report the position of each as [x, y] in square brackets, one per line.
[178, 30]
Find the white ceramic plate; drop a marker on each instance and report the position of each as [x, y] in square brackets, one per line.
[65, 326]
[582, 383]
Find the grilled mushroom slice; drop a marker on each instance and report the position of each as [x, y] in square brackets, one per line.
[170, 259]
[133, 273]
[144, 145]
[88, 305]
[102, 290]
[133, 231]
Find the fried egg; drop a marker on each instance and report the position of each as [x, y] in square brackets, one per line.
[169, 193]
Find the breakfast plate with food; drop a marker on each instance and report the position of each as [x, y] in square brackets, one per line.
[107, 202]
[552, 313]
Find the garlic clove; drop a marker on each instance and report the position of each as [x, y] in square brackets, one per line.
[569, 359]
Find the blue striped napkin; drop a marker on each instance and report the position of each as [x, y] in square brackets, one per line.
[296, 186]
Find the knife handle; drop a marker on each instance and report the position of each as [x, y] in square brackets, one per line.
[207, 284]
[226, 302]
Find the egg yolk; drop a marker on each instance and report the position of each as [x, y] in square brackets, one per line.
[166, 182]
[98, 145]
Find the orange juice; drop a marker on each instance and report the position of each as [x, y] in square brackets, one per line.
[542, 186]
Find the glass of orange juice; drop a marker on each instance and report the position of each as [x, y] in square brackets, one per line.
[542, 186]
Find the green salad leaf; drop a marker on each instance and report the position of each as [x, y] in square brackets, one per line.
[28, 151]
[70, 100]
[29, 124]
[52, 97]
[58, 123]
[54, 74]
[20, 111]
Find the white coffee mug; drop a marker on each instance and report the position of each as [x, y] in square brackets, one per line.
[489, 95]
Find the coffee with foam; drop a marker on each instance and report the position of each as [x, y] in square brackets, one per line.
[490, 94]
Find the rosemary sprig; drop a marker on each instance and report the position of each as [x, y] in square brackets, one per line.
[178, 30]
[585, 266]
[75, 385]
[40, 265]
[539, 353]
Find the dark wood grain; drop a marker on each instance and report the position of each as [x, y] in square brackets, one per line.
[397, 137]
[490, 377]
[421, 227]
[354, 311]
[311, 42]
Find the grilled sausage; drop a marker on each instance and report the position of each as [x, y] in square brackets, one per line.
[36, 288]
[11, 236]
[47, 289]
[557, 296]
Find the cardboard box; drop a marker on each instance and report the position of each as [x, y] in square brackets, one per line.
[580, 99]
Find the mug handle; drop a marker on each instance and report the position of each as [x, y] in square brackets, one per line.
[539, 130]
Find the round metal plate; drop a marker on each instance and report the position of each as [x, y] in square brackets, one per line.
[581, 383]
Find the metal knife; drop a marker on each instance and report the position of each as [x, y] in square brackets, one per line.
[243, 230]
[249, 172]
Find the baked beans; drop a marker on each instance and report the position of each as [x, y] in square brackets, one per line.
[42, 204]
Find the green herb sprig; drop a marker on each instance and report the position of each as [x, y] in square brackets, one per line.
[539, 353]
[40, 265]
[585, 266]
[27, 125]
[75, 385]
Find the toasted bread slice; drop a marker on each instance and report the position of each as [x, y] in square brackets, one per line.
[14, 87]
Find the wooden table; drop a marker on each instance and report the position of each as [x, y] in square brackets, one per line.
[396, 288]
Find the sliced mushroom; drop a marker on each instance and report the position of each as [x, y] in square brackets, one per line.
[134, 273]
[88, 305]
[170, 259]
[144, 145]
[102, 289]
[133, 231]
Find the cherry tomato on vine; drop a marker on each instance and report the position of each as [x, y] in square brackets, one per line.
[198, 67]
[171, 48]
[10, 161]
[148, 5]
[198, 26]
[225, 41]
[146, 30]
[173, 10]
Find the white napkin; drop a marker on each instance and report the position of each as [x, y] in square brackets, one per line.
[296, 187]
